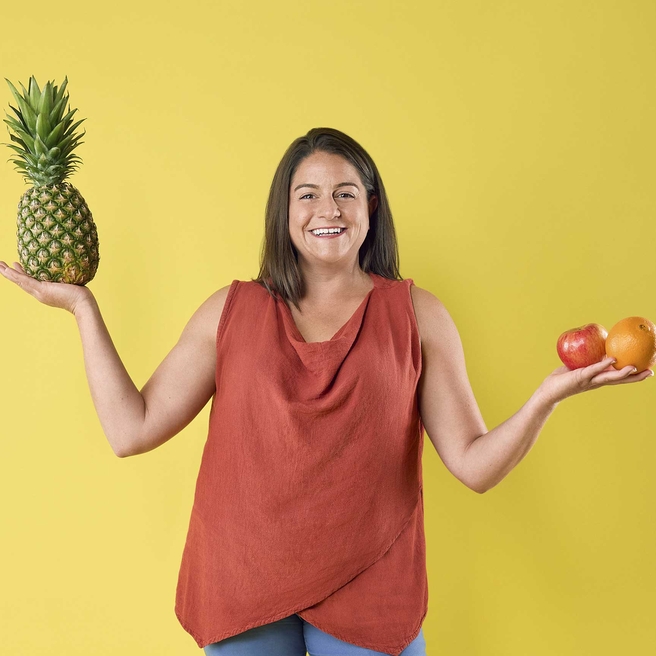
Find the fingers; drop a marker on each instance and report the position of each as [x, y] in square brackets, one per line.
[603, 373]
[630, 378]
[5, 269]
[628, 374]
[605, 363]
[17, 276]
[17, 267]
[589, 372]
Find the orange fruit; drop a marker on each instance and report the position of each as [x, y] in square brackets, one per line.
[632, 341]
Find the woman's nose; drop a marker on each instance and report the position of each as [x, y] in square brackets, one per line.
[329, 208]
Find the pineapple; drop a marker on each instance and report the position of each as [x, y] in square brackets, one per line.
[57, 237]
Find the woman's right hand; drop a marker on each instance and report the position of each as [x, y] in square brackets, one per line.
[56, 294]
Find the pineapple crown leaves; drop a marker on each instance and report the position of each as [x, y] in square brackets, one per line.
[44, 137]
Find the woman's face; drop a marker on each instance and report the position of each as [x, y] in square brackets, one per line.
[326, 192]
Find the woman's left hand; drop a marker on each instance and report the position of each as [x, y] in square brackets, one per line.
[564, 382]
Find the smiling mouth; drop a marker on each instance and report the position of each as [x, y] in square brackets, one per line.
[328, 232]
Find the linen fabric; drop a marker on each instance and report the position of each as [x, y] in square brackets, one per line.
[309, 495]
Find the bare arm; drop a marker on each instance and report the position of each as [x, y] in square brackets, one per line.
[185, 381]
[138, 421]
[118, 403]
[478, 457]
[447, 405]
[133, 421]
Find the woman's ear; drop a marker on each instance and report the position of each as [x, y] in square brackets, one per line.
[373, 204]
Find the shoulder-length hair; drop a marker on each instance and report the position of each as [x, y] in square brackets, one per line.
[279, 272]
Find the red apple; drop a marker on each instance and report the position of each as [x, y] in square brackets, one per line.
[582, 346]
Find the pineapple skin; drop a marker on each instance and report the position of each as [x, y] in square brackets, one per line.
[56, 234]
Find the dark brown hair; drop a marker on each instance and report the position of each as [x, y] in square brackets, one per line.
[279, 272]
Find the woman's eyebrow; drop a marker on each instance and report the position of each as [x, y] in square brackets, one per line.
[341, 184]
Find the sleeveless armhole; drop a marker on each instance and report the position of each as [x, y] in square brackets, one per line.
[226, 310]
[417, 337]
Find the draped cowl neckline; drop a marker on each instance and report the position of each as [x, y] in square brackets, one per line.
[324, 358]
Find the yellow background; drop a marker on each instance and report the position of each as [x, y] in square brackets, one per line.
[516, 141]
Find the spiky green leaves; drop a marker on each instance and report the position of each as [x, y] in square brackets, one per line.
[44, 137]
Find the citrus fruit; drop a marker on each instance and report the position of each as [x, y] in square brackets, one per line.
[632, 341]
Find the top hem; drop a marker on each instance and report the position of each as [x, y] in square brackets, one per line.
[203, 642]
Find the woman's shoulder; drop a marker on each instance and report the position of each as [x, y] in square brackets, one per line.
[425, 304]
[219, 298]
[424, 298]
[208, 314]
[431, 314]
[213, 307]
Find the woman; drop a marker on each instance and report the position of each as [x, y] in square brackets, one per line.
[307, 525]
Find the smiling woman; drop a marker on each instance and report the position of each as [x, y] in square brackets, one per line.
[330, 213]
[347, 192]
[308, 514]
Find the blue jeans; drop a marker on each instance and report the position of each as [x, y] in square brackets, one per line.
[293, 636]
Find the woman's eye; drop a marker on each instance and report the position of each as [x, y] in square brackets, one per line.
[343, 193]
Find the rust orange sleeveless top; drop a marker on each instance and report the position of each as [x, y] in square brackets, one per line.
[309, 495]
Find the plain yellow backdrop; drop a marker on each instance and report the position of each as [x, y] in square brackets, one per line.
[516, 142]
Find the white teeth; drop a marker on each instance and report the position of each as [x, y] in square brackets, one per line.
[327, 231]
